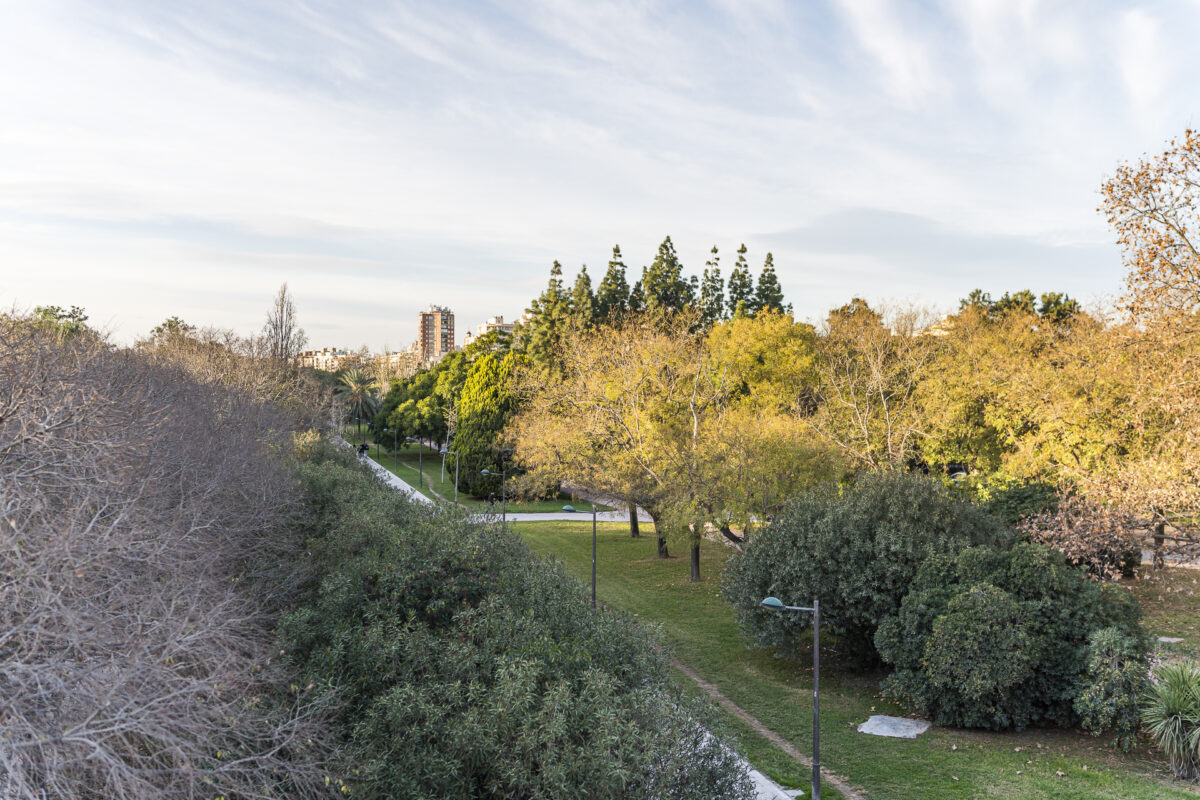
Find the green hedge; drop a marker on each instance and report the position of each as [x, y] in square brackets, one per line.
[466, 668]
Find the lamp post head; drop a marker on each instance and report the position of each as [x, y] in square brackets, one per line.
[486, 472]
[773, 603]
[443, 452]
[569, 508]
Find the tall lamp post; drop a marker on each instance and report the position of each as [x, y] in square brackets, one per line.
[420, 461]
[455, 454]
[775, 604]
[503, 492]
[576, 511]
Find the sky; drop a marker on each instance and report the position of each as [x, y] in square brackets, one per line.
[167, 158]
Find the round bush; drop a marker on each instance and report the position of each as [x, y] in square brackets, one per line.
[1000, 639]
[857, 549]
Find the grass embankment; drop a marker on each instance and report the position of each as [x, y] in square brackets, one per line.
[702, 631]
[424, 466]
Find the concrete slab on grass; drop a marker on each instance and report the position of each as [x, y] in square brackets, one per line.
[895, 727]
[1170, 639]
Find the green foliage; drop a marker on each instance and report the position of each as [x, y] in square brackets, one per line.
[583, 301]
[1012, 501]
[1113, 687]
[637, 298]
[712, 292]
[855, 548]
[67, 324]
[663, 282]
[1172, 716]
[979, 649]
[999, 639]
[741, 286]
[768, 295]
[467, 668]
[1056, 307]
[612, 295]
[549, 317]
[486, 405]
[359, 394]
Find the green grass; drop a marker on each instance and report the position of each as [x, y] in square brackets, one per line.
[701, 630]
[411, 465]
[1171, 599]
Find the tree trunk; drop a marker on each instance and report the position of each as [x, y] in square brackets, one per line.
[660, 533]
[695, 562]
[634, 532]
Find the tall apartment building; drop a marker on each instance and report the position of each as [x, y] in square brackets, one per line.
[435, 333]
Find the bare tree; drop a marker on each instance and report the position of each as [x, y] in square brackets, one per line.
[147, 529]
[284, 337]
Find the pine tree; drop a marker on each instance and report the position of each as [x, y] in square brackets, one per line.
[712, 292]
[612, 295]
[583, 302]
[741, 286]
[769, 294]
[663, 281]
[637, 297]
[549, 313]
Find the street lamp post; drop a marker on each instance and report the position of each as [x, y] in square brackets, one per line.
[503, 492]
[455, 454]
[575, 511]
[420, 461]
[775, 604]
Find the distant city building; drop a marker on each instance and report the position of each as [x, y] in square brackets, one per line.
[484, 328]
[392, 366]
[435, 334]
[330, 359]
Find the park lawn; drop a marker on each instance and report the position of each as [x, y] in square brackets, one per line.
[411, 464]
[1170, 598]
[701, 630]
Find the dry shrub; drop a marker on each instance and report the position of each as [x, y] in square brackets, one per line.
[145, 535]
[1101, 538]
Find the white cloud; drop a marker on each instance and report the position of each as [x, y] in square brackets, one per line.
[154, 158]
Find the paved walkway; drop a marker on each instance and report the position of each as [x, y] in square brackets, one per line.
[387, 476]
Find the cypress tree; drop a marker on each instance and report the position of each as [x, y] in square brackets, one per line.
[583, 302]
[637, 297]
[712, 291]
[741, 286]
[548, 318]
[663, 281]
[612, 295]
[768, 294]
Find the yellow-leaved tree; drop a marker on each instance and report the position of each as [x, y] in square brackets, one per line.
[649, 411]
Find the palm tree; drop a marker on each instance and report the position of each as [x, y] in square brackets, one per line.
[358, 392]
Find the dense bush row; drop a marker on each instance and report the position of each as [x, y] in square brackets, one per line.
[467, 668]
[981, 631]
